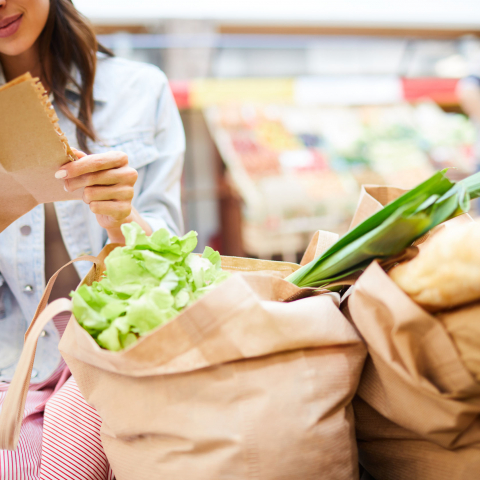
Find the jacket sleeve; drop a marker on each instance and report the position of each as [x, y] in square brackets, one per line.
[159, 200]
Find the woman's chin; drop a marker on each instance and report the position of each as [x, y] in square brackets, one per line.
[16, 46]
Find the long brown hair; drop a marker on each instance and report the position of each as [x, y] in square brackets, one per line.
[69, 40]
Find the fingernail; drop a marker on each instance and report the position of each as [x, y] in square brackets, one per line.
[61, 174]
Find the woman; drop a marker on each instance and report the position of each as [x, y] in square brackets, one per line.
[121, 117]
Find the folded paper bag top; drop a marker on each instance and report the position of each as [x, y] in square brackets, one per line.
[32, 149]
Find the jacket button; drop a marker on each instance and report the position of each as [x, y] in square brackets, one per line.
[28, 289]
[26, 230]
[34, 373]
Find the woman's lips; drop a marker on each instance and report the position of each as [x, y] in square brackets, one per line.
[10, 25]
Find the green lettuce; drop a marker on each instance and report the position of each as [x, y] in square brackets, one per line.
[146, 284]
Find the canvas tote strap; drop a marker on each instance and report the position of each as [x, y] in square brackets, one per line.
[11, 415]
[48, 289]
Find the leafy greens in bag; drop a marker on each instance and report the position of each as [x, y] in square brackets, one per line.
[146, 284]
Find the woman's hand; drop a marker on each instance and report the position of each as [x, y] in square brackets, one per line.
[108, 183]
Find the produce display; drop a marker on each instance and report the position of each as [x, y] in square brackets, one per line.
[403, 143]
[391, 230]
[396, 143]
[146, 284]
[299, 169]
[285, 177]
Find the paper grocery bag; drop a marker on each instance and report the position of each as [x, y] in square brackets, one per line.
[463, 326]
[417, 408]
[242, 384]
[372, 199]
[32, 148]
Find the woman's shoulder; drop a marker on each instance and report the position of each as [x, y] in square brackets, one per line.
[116, 74]
[132, 104]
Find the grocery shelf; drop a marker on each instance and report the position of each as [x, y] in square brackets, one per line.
[201, 93]
[440, 90]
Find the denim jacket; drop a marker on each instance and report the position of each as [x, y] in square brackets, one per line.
[134, 113]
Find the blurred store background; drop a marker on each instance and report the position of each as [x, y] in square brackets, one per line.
[290, 106]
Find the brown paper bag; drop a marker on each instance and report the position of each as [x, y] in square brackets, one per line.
[372, 199]
[32, 148]
[417, 409]
[242, 384]
[463, 326]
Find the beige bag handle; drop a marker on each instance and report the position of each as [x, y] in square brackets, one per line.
[11, 415]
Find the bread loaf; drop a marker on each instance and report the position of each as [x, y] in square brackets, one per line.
[446, 272]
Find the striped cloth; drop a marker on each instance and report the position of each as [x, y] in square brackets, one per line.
[60, 435]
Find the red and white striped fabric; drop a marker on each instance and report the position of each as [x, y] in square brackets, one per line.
[60, 435]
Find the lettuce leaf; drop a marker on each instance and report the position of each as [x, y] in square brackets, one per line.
[145, 285]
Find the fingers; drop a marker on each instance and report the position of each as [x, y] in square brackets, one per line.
[115, 210]
[78, 153]
[104, 193]
[108, 183]
[91, 164]
[122, 176]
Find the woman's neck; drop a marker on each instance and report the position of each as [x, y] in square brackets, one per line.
[28, 61]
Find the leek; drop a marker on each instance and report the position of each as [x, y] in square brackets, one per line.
[391, 230]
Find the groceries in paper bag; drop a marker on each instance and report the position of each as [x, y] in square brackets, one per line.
[245, 324]
[224, 386]
[417, 409]
[385, 227]
[151, 279]
[145, 284]
[200, 374]
[197, 373]
[445, 278]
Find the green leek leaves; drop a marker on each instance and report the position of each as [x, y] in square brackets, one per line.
[391, 230]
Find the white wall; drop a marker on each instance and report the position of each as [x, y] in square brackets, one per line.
[399, 13]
